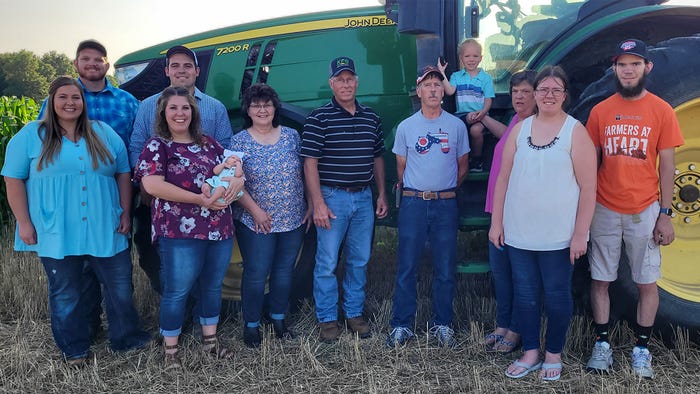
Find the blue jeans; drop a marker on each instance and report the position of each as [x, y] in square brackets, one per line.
[93, 299]
[435, 221]
[354, 222]
[187, 263]
[537, 274]
[68, 302]
[272, 254]
[503, 285]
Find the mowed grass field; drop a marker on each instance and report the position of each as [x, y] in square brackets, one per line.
[30, 362]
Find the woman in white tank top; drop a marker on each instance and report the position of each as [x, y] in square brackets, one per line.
[543, 205]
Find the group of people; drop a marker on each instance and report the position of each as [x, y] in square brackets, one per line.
[69, 177]
[558, 190]
[69, 184]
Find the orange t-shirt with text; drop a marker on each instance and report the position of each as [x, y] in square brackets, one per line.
[629, 134]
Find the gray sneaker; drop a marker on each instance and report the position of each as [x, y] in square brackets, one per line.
[399, 336]
[444, 335]
[601, 358]
[641, 362]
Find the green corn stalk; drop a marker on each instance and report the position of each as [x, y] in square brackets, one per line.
[14, 114]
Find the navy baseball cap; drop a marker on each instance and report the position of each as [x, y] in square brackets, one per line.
[631, 47]
[341, 64]
[184, 50]
[427, 70]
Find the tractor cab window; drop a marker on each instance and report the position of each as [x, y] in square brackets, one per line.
[513, 31]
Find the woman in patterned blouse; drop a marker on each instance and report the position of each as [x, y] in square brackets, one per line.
[271, 214]
[194, 233]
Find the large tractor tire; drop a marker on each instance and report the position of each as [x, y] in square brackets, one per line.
[303, 279]
[231, 288]
[674, 79]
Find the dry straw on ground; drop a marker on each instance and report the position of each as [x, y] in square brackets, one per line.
[29, 360]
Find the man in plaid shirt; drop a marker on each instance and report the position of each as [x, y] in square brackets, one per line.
[104, 101]
[109, 104]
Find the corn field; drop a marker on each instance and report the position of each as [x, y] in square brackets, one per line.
[14, 114]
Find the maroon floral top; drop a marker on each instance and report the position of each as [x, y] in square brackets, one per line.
[185, 166]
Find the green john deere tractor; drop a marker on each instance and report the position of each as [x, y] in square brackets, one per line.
[390, 42]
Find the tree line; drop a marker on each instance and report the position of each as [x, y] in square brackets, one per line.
[27, 74]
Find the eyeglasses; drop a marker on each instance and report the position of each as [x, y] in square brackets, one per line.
[258, 107]
[346, 81]
[546, 91]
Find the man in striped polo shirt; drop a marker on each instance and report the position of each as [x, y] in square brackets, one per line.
[342, 148]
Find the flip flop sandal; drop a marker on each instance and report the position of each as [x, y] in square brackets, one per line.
[528, 369]
[547, 366]
[504, 346]
[78, 362]
[491, 339]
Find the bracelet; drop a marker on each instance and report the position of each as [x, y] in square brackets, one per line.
[238, 196]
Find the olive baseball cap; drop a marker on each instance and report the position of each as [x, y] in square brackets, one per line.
[92, 44]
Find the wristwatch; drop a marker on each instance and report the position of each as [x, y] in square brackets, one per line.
[666, 211]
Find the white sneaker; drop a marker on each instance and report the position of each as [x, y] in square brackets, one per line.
[601, 358]
[641, 362]
[399, 336]
[444, 334]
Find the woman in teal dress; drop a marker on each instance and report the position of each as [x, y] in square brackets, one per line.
[68, 185]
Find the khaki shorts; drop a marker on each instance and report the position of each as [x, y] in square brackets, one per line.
[611, 230]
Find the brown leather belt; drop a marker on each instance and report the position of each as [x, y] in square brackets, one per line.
[430, 195]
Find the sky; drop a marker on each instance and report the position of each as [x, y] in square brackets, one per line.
[124, 26]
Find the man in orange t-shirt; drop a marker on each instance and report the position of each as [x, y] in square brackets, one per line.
[631, 130]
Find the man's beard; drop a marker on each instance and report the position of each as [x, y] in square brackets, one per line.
[93, 79]
[632, 91]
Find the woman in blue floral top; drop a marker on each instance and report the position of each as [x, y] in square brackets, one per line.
[271, 213]
[194, 232]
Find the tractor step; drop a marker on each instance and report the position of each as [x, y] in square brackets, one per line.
[472, 267]
[478, 176]
[468, 223]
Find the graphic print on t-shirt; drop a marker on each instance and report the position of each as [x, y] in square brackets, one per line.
[426, 141]
[627, 139]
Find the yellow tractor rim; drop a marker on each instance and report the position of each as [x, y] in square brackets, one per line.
[680, 273]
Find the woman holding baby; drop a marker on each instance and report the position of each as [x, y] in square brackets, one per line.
[193, 230]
